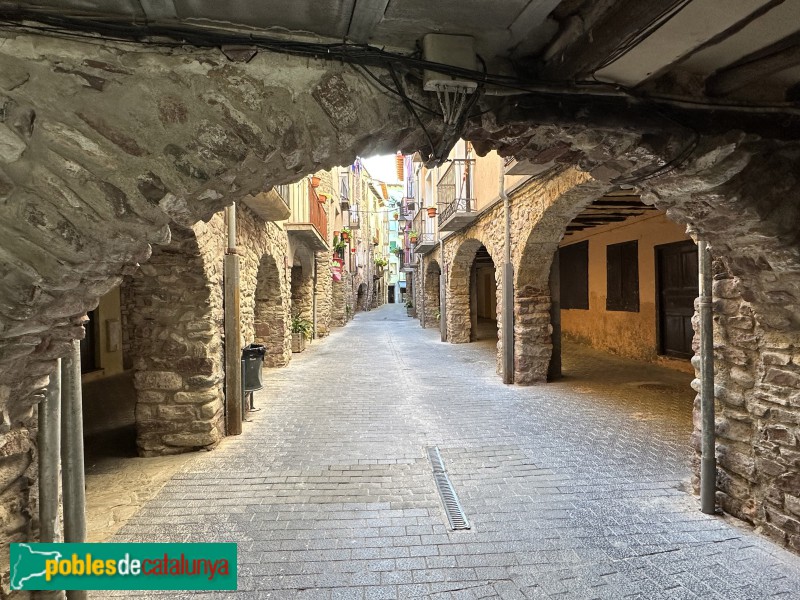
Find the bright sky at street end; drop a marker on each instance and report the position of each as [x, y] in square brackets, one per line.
[382, 168]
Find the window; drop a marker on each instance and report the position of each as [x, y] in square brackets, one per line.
[573, 269]
[622, 263]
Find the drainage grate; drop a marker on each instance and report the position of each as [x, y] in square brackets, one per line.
[452, 506]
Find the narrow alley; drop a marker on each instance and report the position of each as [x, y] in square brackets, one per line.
[577, 489]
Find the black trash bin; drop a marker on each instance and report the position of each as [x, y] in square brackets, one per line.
[252, 361]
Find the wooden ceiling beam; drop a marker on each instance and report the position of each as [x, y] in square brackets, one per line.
[776, 57]
[598, 39]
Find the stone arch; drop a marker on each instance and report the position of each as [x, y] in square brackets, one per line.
[270, 314]
[555, 204]
[432, 294]
[174, 327]
[460, 314]
[302, 286]
[361, 297]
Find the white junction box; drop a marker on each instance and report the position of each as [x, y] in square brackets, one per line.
[454, 51]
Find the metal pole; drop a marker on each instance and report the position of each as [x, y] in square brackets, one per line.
[554, 368]
[442, 292]
[72, 473]
[233, 342]
[49, 442]
[507, 293]
[230, 213]
[708, 464]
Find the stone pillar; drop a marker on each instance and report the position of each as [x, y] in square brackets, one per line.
[323, 293]
[532, 347]
[175, 322]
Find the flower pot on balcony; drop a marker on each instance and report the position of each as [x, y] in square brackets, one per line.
[298, 342]
[396, 216]
[413, 239]
[322, 198]
[315, 181]
[431, 211]
[335, 234]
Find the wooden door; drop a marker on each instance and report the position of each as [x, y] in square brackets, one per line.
[676, 272]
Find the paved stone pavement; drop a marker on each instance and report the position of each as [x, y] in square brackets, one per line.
[573, 489]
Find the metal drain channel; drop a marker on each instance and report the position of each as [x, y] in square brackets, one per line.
[452, 506]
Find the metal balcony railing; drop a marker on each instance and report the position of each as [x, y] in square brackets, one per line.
[455, 189]
[354, 219]
[344, 188]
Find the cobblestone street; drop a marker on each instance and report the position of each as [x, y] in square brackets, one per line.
[573, 490]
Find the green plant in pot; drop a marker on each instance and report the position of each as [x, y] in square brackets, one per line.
[302, 326]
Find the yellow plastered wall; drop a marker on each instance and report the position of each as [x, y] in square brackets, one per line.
[631, 334]
[109, 336]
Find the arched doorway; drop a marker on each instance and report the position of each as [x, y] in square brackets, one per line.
[271, 315]
[302, 286]
[361, 297]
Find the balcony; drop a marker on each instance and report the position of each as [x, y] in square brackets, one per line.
[353, 218]
[424, 226]
[408, 261]
[344, 190]
[309, 221]
[456, 195]
[272, 205]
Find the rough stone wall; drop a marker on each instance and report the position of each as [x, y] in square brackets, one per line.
[323, 293]
[19, 494]
[302, 289]
[432, 282]
[175, 325]
[264, 287]
[339, 291]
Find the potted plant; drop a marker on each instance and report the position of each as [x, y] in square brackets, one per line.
[381, 262]
[397, 251]
[339, 248]
[413, 236]
[322, 198]
[301, 330]
[315, 181]
[346, 234]
[431, 211]
[396, 216]
[409, 308]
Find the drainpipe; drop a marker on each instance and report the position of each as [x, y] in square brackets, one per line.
[507, 313]
[49, 442]
[708, 464]
[72, 474]
[314, 296]
[442, 292]
[233, 341]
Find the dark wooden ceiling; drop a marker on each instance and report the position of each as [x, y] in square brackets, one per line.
[611, 208]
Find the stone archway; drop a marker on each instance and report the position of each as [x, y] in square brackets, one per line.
[554, 205]
[461, 287]
[173, 316]
[270, 314]
[361, 297]
[302, 288]
[432, 294]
